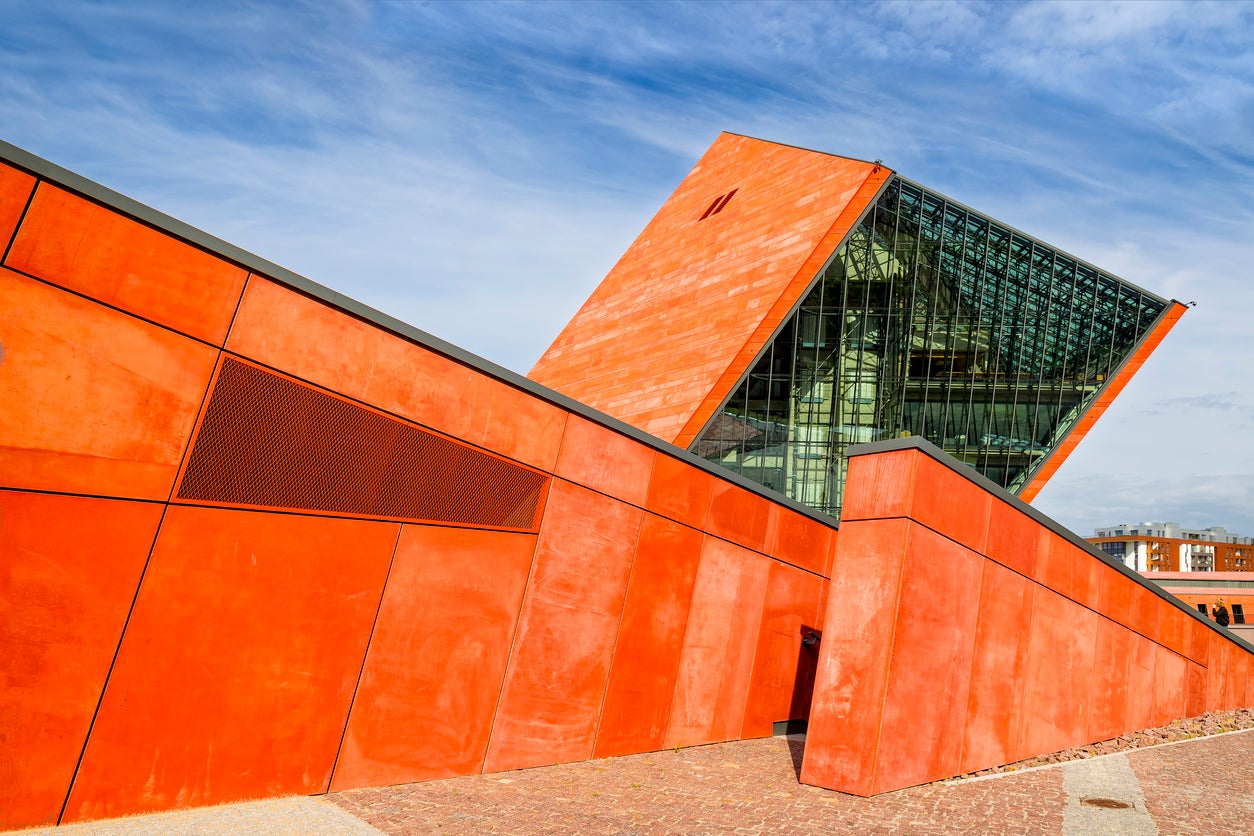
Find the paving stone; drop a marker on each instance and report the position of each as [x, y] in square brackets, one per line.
[751, 787]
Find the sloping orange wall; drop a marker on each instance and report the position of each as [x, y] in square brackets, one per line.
[963, 632]
[665, 337]
[162, 652]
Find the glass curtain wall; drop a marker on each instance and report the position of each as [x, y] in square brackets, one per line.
[930, 320]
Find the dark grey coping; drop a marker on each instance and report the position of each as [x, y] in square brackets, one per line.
[158, 220]
[916, 442]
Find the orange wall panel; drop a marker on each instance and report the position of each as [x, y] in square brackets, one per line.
[801, 541]
[603, 460]
[783, 669]
[86, 248]
[1086, 574]
[1014, 540]
[955, 506]
[1173, 629]
[1171, 686]
[646, 656]
[926, 701]
[739, 515]
[854, 656]
[712, 687]
[69, 570]
[315, 342]
[680, 491]
[236, 672]
[1053, 686]
[1108, 712]
[433, 673]
[95, 401]
[1146, 611]
[15, 190]
[885, 484]
[999, 660]
[560, 664]
[1055, 558]
[1114, 596]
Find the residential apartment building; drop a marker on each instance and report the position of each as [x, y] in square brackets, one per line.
[1169, 547]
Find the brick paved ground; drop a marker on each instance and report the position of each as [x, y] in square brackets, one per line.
[1204, 786]
[1197, 786]
[744, 787]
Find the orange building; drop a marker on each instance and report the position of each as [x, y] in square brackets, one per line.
[1167, 547]
[1203, 590]
[257, 539]
[785, 304]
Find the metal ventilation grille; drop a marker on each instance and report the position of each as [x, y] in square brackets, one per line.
[268, 441]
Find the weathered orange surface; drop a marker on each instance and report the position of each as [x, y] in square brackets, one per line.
[235, 674]
[952, 646]
[716, 664]
[739, 515]
[783, 670]
[692, 302]
[15, 190]
[437, 659]
[66, 587]
[92, 250]
[846, 712]
[681, 492]
[599, 458]
[1082, 427]
[315, 342]
[560, 664]
[646, 655]
[801, 541]
[93, 400]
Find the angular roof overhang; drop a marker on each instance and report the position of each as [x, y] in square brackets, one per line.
[663, 340]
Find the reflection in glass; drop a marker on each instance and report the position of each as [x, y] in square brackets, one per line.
[929, 320]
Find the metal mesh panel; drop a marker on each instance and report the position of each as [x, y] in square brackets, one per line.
[272, 442]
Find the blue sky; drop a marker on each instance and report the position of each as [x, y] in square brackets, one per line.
[476, 168]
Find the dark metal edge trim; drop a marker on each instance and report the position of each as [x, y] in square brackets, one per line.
[105, 196]
[917, 442]
[1030, 474]
[1033, 239]
[811, 150]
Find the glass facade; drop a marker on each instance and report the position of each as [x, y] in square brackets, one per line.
[929, 320]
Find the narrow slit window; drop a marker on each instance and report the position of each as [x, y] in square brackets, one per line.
[719, 203]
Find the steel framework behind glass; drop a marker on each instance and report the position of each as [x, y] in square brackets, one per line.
[930, 320]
